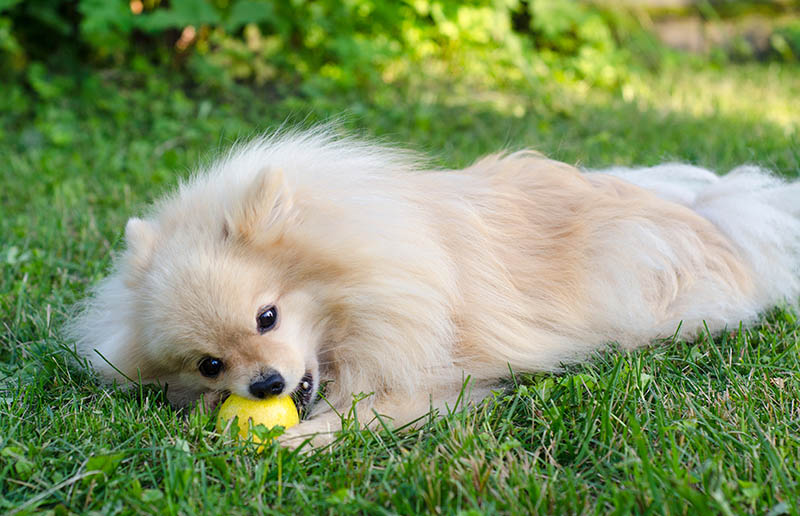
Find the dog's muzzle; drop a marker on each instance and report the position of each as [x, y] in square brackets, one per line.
[302, 395]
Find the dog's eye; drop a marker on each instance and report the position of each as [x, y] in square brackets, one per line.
[210, 367]
[267, 318]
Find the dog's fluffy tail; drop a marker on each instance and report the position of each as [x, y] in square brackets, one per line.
[757, 211]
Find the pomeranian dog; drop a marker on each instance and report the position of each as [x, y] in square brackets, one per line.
[304, 259]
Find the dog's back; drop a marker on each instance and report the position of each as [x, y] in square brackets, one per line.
[554, 263]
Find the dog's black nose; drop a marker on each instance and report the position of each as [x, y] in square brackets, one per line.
[272, 385]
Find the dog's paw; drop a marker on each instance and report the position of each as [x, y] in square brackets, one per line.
[310, 434]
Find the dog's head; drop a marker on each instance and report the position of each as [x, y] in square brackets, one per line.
[211, 297]
[293, 254]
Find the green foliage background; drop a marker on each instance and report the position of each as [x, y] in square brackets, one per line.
[321, 44]
[320, 55]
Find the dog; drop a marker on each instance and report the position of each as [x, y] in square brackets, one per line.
[305, 259]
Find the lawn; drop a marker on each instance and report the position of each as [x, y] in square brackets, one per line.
[708, 427]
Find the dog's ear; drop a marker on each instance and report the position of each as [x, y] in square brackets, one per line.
[263, 211]
[140, 238]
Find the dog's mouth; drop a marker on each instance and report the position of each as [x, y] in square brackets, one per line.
[304, 393]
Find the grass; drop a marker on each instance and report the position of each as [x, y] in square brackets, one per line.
[679, 428]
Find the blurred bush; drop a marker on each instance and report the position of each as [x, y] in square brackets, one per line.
[785, 41]
[315, 47]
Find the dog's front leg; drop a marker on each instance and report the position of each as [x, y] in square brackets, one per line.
[383, 410]
[321, 429]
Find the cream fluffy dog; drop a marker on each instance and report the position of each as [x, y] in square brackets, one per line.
[304, 259]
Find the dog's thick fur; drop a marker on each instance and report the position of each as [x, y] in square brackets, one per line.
[401, 282]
